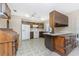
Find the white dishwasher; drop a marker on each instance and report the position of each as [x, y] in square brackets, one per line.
[36, 33]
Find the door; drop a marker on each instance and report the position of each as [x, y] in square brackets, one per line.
[25, 31]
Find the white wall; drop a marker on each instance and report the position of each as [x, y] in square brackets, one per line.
[71, 24]
[76, 14]
[15, 24]
[3, 23]
[46, 25]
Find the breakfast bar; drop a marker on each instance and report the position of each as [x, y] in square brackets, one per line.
[61, 43]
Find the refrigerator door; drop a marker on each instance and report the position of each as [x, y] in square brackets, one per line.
[25, 32]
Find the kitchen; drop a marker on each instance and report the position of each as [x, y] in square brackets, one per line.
[38, 30]
[34, 29]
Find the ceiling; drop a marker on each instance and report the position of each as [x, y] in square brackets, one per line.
[41, 10]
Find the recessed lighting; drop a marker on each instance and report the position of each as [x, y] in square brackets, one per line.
[27, 15]
[43, 19]
[15, 10]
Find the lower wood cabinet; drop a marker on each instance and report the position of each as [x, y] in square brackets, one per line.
[9, 41]
[59, 44]
[64, 44]
[49, 42]
[31, 35]
[41, 34]
[8, 48]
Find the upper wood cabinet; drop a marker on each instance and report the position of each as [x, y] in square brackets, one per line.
[57, 19]
[34, 24]
[5, 11]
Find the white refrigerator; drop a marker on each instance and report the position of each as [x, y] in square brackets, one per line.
[25, 31]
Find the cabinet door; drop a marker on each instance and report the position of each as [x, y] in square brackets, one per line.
[41, 34]
[59, 44]
[57, 19]
[31, 35]
[61, 18]
[48, 42]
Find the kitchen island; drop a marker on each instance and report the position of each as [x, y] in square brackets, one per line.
[61, 43]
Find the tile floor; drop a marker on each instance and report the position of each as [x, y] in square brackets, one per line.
[36, 47]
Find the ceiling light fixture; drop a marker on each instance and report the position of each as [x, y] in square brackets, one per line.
[27, 15]
[15, 10]
[42, 19]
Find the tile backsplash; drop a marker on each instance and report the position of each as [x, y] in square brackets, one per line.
[61, 29]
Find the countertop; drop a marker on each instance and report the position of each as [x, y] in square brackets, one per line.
[33, 30]
[57, 34]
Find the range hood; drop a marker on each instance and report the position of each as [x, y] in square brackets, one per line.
[4, 11]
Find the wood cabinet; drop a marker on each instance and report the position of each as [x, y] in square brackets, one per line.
[61, 44]
[41, 34]
[49, 43]
[39, 25]
[64, 44]
[31, 35]
[57, 19]
[9, 42]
